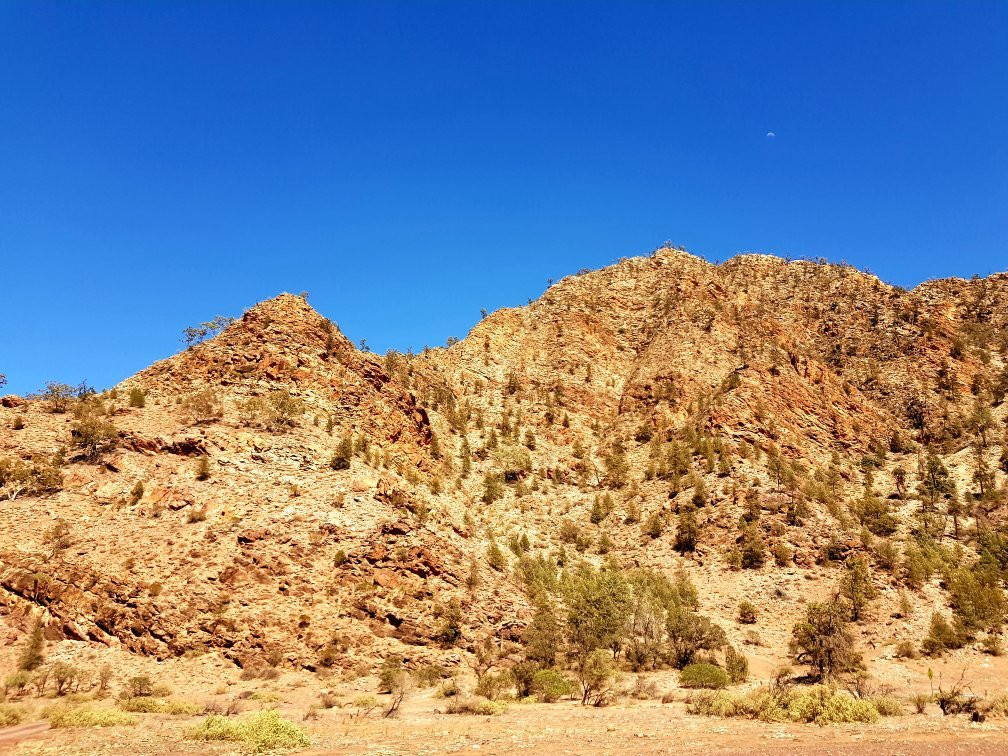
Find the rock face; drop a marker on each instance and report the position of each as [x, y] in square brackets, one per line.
[229, 515]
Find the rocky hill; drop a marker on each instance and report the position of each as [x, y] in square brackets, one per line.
[280, 497]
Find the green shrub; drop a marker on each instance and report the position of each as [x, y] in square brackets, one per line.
[548, 685]
[261, 731]
[137, 398]
[703, 675]
[85, 716]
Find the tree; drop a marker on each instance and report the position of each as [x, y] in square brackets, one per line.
[856, 586]
[935, 483]
[597, 603]
[541, 636]
[687, 530]
[93, 436]
[32, 654]
[196, 334]
[597, 674]
[58, 395]
[689, 633]
[3, 380]
[617, 467]
[823, 640]
[980, 422]
[753, 548]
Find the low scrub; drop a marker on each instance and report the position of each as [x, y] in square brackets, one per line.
[888, 706]
[819, 705]
[258, 732]
[476, 706]
[147, 705]
[86, 716]
[10, 715]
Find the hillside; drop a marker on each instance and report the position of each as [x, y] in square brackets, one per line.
[277, 499]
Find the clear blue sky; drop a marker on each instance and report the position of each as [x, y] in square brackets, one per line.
[409, 164]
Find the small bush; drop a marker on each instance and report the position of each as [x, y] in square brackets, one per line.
[703, 675]
[822, 705]
[476, 706]
[137, 398]
[747, 613]
[906, 650]
[549, 686]
[261, 731]
[10, 716]
[920, 702]
[736, 665]
[85, 716]
[148, 705]
[888, 706]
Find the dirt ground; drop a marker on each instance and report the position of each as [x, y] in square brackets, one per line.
[565, 727]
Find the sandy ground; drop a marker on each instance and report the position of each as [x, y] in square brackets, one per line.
[631, 727]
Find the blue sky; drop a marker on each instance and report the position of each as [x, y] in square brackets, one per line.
[409, 164]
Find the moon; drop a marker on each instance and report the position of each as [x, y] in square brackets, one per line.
[770, 135]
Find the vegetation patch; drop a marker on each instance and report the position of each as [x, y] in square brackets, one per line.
[86, 716]
[258, 732]
[146, 705]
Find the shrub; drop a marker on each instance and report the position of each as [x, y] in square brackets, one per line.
[906, 650]
[823, 705]
[941, 637]
[747, 612]
[492, 684]
[887, 706]
[390, 670]
[261, 731]
[10, 716]
[137, 398]
[340, 459]
[495, 556]
[920, 701]
[752, 547]
[736, 665]
[86, 716]
[703, 675]
[203, 468]
[148, 705]
[93, 436]
[474, 706]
